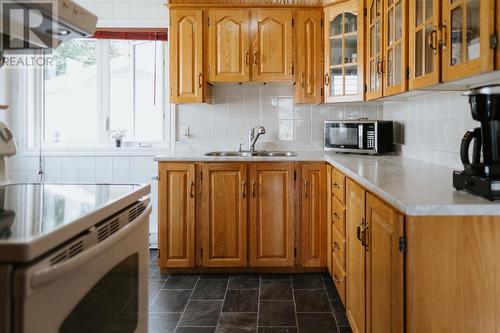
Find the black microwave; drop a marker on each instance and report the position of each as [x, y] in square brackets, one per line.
[359, 136]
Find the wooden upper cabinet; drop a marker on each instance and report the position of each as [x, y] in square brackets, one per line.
[424, 50]
[466, 31]
[272, 45]
[224, 215]
[373, 49]
[229, 53]
[355, 257]
[395, 45]
[309, 30]
[344, 52]
[177, 214]
[186, 56]
[314, 215]
[271, 214]
[384, 270]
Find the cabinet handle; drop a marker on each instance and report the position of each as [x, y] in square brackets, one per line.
[336, 278]
[247, 58]
[302, 82]
[364, 232]
[306, 188]
[358, 231]
[443, 36]
[243, 189]
[327, 79]
[336, 185]
[199, 80]
[336, 246]
[253, 189]
[255, 61]
[191, 189]
[378, 67]
[432, 40]
[336, 216]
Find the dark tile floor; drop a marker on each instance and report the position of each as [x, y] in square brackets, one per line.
[232, 303]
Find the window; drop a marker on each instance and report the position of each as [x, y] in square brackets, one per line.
[94, 86]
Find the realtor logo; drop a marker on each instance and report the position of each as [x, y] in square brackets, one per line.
[27, 25]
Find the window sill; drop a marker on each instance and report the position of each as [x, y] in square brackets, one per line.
[95, 151]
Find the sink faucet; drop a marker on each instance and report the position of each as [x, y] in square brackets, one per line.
[253, 137]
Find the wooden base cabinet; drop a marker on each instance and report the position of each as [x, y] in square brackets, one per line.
[224, 215]
[384, 267]
[272, 214]
[313, 215]
[176, 234]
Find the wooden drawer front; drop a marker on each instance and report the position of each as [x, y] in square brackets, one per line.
[339, 280]
[338, 185]
[338, 248]
[338, 217]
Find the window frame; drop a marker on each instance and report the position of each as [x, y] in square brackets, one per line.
[31, 85]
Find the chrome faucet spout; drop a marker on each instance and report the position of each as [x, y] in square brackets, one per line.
[253, 136]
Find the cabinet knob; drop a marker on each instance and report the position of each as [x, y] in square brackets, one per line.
[336, 278]
[253, 189]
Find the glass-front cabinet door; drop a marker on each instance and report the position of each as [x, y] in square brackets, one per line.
[466, 34]
[394, 62]
[343, 53]
[424, 52]
[374, 49]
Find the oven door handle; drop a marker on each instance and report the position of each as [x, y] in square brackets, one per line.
[50, 274]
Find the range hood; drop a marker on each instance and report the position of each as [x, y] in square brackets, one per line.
[34, 25]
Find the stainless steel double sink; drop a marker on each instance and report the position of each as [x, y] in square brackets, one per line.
[251, 154]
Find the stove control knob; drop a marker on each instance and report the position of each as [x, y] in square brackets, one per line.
[6, 134]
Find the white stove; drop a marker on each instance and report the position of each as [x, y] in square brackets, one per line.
[73, 258]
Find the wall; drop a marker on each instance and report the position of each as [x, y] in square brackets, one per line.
[234, 109]
[430, 127]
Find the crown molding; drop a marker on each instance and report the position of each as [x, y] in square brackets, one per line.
[308, 3]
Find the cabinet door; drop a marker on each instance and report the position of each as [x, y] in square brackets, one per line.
[329, 220]
[384, 270]
[271, 214]
[373, 49]
[176, 204]
[310, 57]
[394, 40]
[344, 52]
[424, 53]
[186, 56]
[229, 52]
[224, 218]
[313, 215]
[355, 257]
[272, 46]
[466, 32]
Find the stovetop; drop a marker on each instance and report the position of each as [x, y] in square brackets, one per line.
[37, 217]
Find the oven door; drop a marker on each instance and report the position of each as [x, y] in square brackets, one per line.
[340, 136]
[102, 288]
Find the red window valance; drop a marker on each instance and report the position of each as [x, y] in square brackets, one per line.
[134, 34]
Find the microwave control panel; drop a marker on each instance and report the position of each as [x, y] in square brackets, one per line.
[369, 136]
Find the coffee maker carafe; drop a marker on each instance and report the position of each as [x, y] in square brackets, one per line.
[482, 174]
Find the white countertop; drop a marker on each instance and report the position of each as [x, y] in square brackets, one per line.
[413, 187]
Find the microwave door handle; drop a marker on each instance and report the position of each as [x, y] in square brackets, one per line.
[360, 136]
[50, 274]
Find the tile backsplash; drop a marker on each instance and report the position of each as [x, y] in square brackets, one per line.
[234, 109]
[430, 127]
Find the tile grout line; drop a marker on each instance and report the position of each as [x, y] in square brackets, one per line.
[189, 300]
[258, 303]
[331, 307]
[223, 301]
[159, 291]
[295, 306]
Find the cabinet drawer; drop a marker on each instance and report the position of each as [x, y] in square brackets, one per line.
[338, 185]
[338, 217]
[339, 280]
[338, 248]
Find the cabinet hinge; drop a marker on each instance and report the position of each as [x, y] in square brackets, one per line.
[402, 244]
[408, 73]
[293, 22]
[295, 252]
[294, 175]
[494, 40]
[201, 253]
[159, 253]
[201, 176]
[321, 22]
[366, 88]
[293, 70]
[365, 12]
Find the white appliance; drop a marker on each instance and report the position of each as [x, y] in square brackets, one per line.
[73, 258]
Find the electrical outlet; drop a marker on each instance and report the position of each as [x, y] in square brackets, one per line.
[185, 132]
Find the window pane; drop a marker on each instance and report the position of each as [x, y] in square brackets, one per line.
[71, 113]
[148, 111]
[121, 86]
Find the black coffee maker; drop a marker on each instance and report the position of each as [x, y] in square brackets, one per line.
[482, 175]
